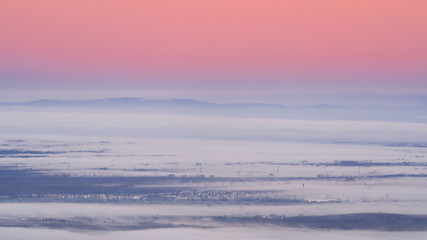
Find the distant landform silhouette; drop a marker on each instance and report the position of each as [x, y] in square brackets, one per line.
[414, 113]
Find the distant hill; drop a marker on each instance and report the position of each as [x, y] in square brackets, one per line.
[416, 113]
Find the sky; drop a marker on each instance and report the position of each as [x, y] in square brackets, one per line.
[167, 47]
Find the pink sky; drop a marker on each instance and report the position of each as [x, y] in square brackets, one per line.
[335, 42]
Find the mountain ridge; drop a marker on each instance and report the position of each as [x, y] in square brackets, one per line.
[415, 113]
[177, 101]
